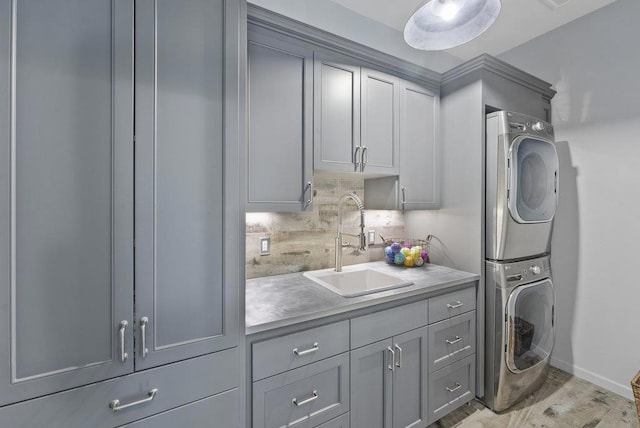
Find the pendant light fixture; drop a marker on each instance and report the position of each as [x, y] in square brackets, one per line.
[444, 24]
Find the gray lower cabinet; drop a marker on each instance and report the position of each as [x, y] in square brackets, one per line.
[77, 188]
[212, 412]
[303, 397]
[280, 140]
[389, 382]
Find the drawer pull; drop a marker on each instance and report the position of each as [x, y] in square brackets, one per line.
[455, 305]
[314, 397]
[457, 387]
[454, 341]
[311, 350]
[116, 406]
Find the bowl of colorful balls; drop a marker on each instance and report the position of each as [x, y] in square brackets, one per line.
[406, 252]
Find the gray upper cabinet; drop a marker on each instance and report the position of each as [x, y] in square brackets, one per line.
[336, 113]
[185, 306]
[356, 115]
[280, 151]
[67, 208]
[419, 149]
[66, 194]
[417, 186]
[379, 122]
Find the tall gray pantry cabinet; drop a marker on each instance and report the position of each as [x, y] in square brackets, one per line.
[120, 288]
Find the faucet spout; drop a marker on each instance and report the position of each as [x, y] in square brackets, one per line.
[362, 238]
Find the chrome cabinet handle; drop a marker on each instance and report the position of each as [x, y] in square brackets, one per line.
[314, 397]
[457, 387]
[454, 341]
[123, 353]
[311, 350]
[455, 305]
[404, 197]
[356, 159]
[116, 406]
[392, 366]
[399, 363]
[308, 188]
[365, 158]
[143, 332]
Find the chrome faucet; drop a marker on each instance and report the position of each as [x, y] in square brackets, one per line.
[340, 244]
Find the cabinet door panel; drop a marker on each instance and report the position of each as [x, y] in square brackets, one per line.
[336, 113]
[410, 379]
[419, 151]
[380, 117]
[66, 197]
[179, 180]
[280, 124]
[371, 383]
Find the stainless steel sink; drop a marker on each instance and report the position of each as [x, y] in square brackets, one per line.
[355, 280]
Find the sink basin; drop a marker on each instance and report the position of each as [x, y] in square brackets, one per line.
[355, 280]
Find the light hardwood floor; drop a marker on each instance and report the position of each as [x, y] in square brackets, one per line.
[562, 401]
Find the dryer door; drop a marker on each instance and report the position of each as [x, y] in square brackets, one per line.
[533, 181]
[529, 326]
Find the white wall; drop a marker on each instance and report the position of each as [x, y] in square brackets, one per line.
[337, 19]
[594, 64]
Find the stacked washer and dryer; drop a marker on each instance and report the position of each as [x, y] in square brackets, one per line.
[521, 198]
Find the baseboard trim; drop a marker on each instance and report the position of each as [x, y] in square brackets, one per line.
[620, 389]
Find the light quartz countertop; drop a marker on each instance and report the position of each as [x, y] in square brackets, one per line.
[282, 300]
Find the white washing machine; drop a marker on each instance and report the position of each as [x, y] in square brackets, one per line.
[519, 329]
[521, 186]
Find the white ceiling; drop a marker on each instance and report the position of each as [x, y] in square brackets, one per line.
[519, 20]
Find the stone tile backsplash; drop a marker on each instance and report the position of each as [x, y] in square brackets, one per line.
[306, 240]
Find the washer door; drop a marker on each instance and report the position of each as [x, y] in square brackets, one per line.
[533, 181]
[530, 330]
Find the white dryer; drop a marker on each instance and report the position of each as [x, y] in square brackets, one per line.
[521, 186]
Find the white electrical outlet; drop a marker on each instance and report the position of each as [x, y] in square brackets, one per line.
[265, 246]
[372, 237]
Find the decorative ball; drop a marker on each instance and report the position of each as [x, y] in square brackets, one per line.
[395, 247]
[424, 255]
[418, 262]
[399, 259]
[406, 251]
[408, 261]
[388, 251]
[392, 258]
[407, 245]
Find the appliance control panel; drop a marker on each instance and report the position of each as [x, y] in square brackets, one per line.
[524, 271]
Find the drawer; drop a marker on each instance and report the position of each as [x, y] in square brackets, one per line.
[221, 408]
[452, 340]
[390, 322]
[451, 387]
[88, 406]
[339, 422]
[298, 349]
[451, 304]
[304, 397]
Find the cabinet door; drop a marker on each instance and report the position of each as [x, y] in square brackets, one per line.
[410, 379]
[66, 193]
[380, 120]
[280, 153]
[182, 229]
[336, 113]
[372, 369]
[419, 148]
